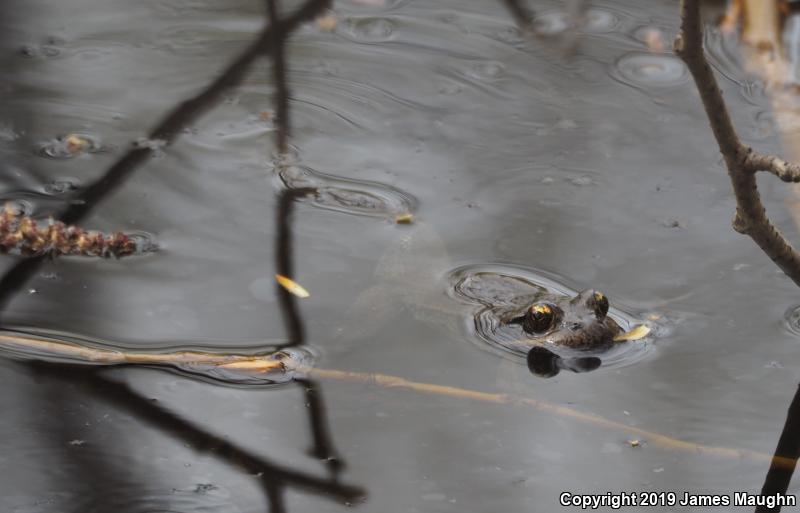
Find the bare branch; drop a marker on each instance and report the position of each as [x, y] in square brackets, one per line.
[751, 217]
[786, 171]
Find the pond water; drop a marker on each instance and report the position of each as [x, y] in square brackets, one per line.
[583, 158]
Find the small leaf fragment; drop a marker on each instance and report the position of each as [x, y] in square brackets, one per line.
[636, 333]
[327, 22]
[634, 443]
[292, 286]
[404, 218]
[75, 143]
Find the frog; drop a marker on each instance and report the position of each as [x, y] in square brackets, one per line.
[416, 274]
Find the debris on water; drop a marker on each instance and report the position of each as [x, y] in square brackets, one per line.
[70, 145]
[327, 22]
[150, 144]
[61, 186]
[7, 134]
[77, 442]
[673, 223]
[634, 443]
[21, 235]
[204, 488]
[292, 286]
[581, 181]
[654, 39]
[637, 333]
[404, 218]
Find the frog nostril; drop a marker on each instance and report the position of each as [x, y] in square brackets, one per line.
[575, 326]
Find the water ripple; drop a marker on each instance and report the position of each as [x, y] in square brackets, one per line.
[595, 21]
[791, 320]
[351, 196]
[369, 30]
[650, 70]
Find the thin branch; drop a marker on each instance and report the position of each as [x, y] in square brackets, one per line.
[786, 171]
[751, 217]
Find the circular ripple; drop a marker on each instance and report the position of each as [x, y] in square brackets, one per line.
[360, 197]
[145, 242]
[497, 290]
[599, 21]
[486, 70]
[791, 320]
[370, 30]
[61, 186]
[595, 21]
[650, 70]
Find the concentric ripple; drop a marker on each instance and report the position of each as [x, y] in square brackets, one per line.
[791, 320]
[359, 197]
[650, 70]
[595, 21]
[369, 30]
[497, 289]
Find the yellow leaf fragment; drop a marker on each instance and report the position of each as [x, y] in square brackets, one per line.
[636, 333]
[404, 218]
[292, 286]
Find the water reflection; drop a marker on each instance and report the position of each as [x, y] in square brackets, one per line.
[546, 364]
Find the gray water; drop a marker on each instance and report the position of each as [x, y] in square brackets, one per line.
[598, 168]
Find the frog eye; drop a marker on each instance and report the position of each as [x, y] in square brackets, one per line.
[599, 303]
[539, 318]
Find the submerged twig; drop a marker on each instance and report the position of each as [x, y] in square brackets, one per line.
[396, 382]
[273, 362]
[22, 235]
[742, 162]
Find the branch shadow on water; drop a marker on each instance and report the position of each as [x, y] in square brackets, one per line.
[785, 458]
[273, 477]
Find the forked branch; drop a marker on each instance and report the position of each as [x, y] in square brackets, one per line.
[742, 162]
